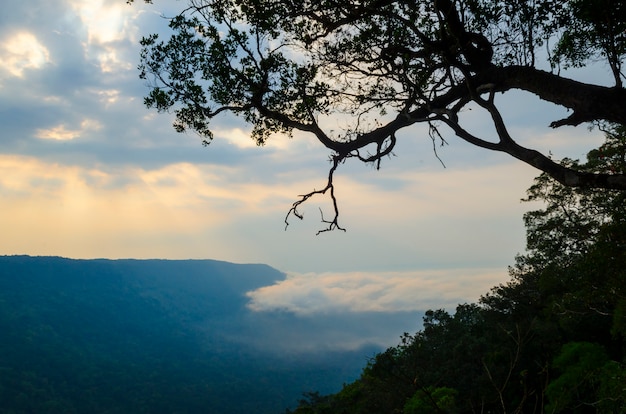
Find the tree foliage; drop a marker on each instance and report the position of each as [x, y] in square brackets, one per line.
[585, 375]
[380, 66]
[551, 340]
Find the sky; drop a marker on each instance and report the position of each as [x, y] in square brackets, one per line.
[86, 171]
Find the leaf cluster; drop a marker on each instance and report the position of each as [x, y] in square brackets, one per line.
[593, 29]
[218, 61]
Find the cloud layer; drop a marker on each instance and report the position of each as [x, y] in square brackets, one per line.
[330, 293]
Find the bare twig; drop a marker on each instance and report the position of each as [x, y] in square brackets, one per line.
[332, 224]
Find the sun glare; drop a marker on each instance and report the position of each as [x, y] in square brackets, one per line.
[104, 23]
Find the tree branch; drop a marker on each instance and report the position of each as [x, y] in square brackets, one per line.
[332, 224]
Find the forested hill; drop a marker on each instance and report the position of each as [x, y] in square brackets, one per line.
[148, 336]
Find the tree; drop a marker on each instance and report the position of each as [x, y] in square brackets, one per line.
[588, 379]
[550, 340]
[438, 400]
[576, 244]
[381, 66]
[570, 285]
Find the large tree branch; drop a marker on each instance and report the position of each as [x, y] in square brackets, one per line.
[588, 102]
[564, 175]
[583, 98]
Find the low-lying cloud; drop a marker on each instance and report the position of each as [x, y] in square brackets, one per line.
[375, 292]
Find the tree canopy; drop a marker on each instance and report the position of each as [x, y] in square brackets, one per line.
[381, 66]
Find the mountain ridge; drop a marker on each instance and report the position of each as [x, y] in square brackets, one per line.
[153, 336]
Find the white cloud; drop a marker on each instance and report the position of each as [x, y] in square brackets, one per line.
[22, 51]
[63, 133]
[104, 23]
[235, 136]
[108, 96]
[375, 291]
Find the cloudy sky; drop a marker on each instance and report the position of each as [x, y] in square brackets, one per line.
[87, 171]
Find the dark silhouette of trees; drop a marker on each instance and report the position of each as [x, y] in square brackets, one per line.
[382, 66]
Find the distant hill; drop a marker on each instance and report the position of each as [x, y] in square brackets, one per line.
[153, 336]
